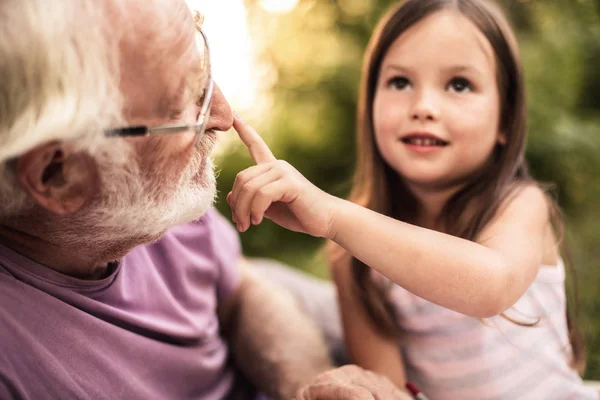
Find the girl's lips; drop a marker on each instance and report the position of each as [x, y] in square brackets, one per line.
[423, 143]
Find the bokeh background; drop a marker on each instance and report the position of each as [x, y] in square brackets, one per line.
[292, 69]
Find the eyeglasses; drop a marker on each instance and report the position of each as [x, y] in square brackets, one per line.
[204, 100]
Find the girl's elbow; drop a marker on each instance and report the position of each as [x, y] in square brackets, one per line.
[491, 309]
[485, 307]
[495, 301]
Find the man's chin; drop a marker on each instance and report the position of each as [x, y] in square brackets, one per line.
[205, 201]
[202, 196]
[147, 222]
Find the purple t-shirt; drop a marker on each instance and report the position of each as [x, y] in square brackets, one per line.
[148, 331]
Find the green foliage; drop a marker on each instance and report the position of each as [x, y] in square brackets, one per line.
[317, 52]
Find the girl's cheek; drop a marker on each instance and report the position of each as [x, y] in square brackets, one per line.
[474, 116]
[387, 115]
[385, 127]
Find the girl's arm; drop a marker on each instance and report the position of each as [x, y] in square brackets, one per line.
[480, 279]
[366, 346]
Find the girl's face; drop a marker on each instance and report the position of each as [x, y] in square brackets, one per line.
[437, 107]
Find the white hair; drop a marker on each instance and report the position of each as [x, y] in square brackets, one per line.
[59, 62]
[60, 81]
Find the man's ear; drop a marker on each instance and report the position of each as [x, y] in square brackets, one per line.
[58, 178]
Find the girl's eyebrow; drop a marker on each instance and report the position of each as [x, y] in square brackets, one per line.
[450, 69]
[396, 67]
[462, 69]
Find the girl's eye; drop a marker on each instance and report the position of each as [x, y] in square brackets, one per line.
[460, 85]
[398, 83]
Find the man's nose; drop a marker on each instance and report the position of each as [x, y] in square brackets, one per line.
[425, 107]
[220, 115]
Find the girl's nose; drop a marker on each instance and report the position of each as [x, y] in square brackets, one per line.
[425, 106]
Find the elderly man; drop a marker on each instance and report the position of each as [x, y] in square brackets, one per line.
[108, 114]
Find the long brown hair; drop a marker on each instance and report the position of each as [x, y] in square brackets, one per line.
[378, 187]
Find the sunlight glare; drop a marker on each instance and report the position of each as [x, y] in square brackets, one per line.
[232, 57]
[278, 6]
[234, 66]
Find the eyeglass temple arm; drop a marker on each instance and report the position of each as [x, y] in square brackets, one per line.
[140, 130]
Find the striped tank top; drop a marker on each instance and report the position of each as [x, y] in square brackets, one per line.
[450, 356]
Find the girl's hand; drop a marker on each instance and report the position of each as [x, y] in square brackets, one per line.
[276, 190]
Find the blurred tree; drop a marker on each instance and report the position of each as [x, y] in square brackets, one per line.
[316, 53]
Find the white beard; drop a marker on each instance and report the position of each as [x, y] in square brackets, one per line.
[133, 209]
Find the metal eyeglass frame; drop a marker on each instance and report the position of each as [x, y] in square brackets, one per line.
[199, 127]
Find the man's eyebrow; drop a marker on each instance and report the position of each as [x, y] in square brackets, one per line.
[189, 86]
[173, 102]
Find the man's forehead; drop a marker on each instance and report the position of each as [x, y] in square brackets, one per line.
[156, 23]
[158, 57]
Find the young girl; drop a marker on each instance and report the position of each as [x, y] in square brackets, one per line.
[466, 277]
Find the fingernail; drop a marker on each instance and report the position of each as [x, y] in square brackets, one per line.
[237, 116]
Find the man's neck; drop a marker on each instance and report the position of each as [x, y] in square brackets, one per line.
[87, 262]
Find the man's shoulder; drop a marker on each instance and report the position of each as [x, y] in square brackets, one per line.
[11, 291]
[205, 252]
[19, 305]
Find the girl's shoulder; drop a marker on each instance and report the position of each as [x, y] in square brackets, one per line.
[526, 208]
[526, 212]
[528, 201]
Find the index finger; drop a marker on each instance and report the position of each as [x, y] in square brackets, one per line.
[259, 151]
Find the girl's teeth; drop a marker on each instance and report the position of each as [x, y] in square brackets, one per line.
[425, 142]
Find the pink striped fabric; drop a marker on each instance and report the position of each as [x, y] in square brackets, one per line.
[452, 356]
